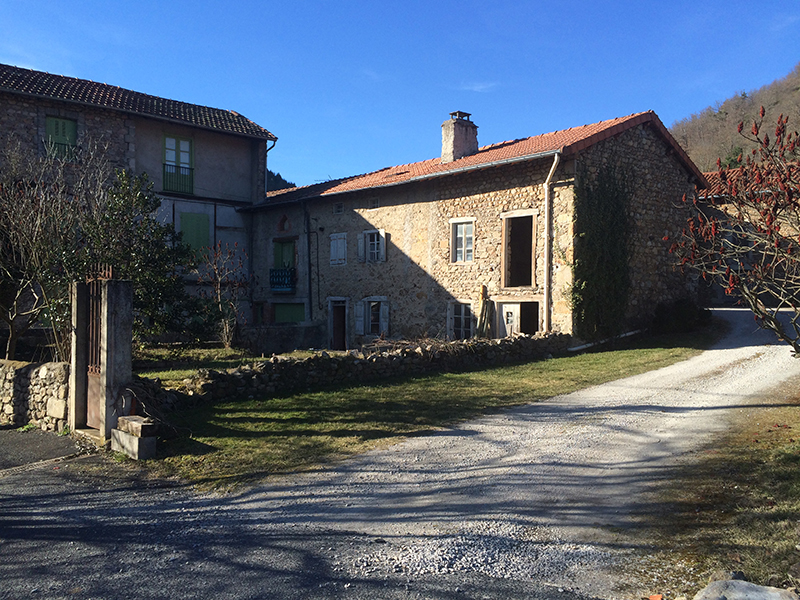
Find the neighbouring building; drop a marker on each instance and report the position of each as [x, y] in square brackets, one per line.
[426, 249]
[205, 163]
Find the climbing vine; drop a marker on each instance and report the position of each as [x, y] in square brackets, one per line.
[601, 279]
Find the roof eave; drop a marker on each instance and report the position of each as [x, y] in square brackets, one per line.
[271, 137]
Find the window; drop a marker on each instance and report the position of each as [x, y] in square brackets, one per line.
[461, 321]
[338, 248]
[62, 137]
[372, 316]
[338, 208]
[373, 203]
[283, 276]
[289, 313]
[519, 246]
[462, 240]
[178, 171]
[196, 230]
[372, 246]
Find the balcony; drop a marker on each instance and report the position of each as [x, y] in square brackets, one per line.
[178, 179]
[283, 281]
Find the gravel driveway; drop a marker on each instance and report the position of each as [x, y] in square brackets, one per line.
[529, 503]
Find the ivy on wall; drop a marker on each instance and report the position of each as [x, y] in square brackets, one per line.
[601, 275]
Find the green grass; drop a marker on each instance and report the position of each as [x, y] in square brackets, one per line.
[236, 443]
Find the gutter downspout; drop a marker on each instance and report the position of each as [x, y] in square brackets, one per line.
[266, 167]
[548, 242]
[307, 219]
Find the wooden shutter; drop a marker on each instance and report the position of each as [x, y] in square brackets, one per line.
[359, 316]
[362, 250]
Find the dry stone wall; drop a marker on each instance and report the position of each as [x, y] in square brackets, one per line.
[34, 393]
[381, 361]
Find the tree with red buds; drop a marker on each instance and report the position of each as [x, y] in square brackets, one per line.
[743, 233]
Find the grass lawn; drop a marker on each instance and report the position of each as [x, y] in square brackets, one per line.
[230, 444]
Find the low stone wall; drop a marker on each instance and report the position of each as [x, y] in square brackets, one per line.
[381, 361]
[34, 393]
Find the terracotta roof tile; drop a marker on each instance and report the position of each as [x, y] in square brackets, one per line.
[567, 141]
[82, 91]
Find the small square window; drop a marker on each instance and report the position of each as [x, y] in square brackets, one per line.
[374, 203]
[338, 208]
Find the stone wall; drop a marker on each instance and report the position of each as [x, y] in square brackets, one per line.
[657, 181]
[378, 362]
[34, 393]
[23, 120]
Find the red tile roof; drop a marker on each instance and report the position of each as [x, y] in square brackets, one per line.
[90, 93]
[568, 142]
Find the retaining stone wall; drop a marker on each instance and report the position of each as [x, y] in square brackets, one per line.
[34, 393]
[281, 374]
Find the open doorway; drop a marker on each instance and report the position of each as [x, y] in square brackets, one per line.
[518, 251]
[518, 317]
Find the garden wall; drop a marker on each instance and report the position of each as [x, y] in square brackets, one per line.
[34, 393]
[282, 374]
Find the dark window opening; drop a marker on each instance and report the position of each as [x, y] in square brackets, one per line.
[519, 252]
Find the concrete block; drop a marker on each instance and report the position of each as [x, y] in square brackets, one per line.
[138, 448]
[136, 425]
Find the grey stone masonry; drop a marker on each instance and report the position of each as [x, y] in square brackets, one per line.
[34, 393]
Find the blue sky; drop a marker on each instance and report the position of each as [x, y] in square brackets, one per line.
[354, 86]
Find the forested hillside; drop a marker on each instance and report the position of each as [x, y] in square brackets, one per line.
[712, 133]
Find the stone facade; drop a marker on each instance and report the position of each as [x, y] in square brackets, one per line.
[420, 280]
[34, 393]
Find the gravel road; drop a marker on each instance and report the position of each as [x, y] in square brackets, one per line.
[530, 503]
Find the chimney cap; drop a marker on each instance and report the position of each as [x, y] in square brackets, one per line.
[460, 115]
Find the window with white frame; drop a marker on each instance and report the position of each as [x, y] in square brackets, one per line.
[462, 238]
[461, 321]
[338, 248]
[372, 246]
[372, 316]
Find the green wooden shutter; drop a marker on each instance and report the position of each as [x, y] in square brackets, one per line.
[196, 230]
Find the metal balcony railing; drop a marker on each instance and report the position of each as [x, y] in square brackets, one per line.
[283, 280]
[178, 179]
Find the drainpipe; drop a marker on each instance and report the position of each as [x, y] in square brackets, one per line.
[548, 242]
[307, 219]
[266, 167]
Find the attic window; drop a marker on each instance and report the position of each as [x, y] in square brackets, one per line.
[284, 224]
[374, 203]
[338, 208]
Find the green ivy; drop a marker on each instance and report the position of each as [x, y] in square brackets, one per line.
[601, 276]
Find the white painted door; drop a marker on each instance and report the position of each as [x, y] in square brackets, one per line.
[508, 319]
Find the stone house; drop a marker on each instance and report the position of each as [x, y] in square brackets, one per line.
[477, 238]
[205, 163]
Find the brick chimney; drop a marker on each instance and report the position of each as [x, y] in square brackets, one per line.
[459, 137]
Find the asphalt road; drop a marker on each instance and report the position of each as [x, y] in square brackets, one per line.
[524, 504]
